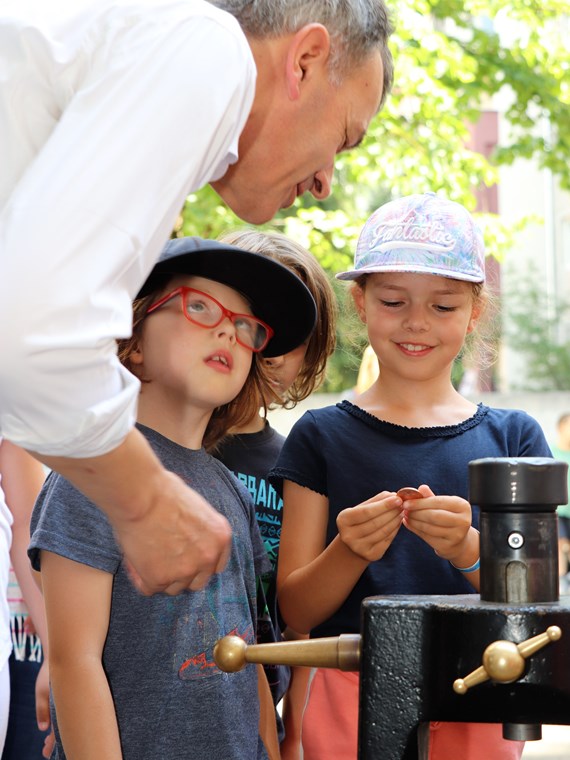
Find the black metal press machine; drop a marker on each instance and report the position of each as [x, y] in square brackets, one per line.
[501, 656]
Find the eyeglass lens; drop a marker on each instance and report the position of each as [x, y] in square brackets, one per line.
[203, 310]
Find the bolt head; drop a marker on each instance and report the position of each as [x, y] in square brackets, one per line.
[229, 654]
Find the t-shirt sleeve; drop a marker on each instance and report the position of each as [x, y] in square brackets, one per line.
[532, 441]
[65, 522]
[303, 457]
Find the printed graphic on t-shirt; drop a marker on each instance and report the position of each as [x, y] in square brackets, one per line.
[223, 608]
[268, 510]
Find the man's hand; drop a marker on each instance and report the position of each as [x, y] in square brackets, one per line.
[172, 538]
[178, 544]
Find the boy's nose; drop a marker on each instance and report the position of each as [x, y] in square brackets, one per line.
[226, 327]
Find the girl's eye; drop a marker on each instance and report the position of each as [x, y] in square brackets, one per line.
[445, 309]
[391, 304]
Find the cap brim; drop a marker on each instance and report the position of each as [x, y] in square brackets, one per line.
[354, 274]
[275, 293]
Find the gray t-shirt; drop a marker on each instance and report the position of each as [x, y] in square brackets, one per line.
[170, 698]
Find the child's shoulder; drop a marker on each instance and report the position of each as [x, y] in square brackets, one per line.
[322, 417]
[504, 415]
[519, 429]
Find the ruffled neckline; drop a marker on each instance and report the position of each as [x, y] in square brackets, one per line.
[390, 428]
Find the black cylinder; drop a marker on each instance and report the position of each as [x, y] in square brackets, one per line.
[517, 498]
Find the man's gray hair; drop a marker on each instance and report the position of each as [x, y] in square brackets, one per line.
[356, 27]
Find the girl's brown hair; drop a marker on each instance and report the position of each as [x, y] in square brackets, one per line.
[256, 392]
[322, 341]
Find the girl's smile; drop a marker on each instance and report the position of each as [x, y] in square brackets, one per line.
[414, 349]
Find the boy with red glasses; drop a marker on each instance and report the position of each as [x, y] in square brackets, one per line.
[133, 677]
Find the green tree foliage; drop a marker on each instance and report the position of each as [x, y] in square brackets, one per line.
[534, 331]
[451, 58]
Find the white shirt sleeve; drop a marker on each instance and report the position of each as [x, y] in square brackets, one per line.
[144, 114]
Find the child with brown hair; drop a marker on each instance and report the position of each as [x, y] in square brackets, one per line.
[253, 448]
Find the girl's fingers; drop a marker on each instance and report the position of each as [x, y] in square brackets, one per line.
[452, 504]
[373, 546]
[375, 522]
[372, 508]
[377, 498]
[379, 526]
[436, 518]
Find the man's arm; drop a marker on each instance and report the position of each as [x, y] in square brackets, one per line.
[172, 538]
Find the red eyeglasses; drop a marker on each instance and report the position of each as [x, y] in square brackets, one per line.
[203, 310]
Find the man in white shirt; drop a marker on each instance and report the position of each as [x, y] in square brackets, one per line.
[111, 113]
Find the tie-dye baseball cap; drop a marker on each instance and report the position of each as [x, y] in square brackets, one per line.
[420, 233]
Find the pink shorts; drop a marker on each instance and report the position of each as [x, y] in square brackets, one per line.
[330, 726]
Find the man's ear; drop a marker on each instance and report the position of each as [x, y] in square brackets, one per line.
[308, 52]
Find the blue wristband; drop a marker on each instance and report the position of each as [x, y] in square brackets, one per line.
[474, 566]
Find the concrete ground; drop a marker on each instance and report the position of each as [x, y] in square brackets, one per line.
[555, 745]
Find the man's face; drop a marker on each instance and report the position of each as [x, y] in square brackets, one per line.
[289, 147]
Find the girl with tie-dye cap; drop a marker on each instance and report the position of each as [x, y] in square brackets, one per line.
[419, 287]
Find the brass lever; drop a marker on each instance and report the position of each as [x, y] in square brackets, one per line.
[342, 652]
[504, 661]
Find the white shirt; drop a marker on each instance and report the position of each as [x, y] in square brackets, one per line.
[111, 112]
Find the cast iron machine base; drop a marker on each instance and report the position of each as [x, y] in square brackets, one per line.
[499, 657]
[414, 650]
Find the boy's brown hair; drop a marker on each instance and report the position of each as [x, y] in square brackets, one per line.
[322, 341]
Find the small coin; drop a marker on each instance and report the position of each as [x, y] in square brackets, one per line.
[409, 493]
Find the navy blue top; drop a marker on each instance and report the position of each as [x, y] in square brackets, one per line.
[250, 456]
[348, 455]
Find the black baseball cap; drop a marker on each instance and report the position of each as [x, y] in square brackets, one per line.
[276, 295]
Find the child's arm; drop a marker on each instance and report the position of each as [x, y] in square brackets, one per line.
[444, 522]
[267, 724]
[78, 603]
[22, 479]
[313, 581]
[294, 705]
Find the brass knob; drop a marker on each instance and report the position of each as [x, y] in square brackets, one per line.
[504, 661]
[341, 652]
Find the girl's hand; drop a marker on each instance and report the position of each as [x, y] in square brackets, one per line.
[443, 522]
[369, 528]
